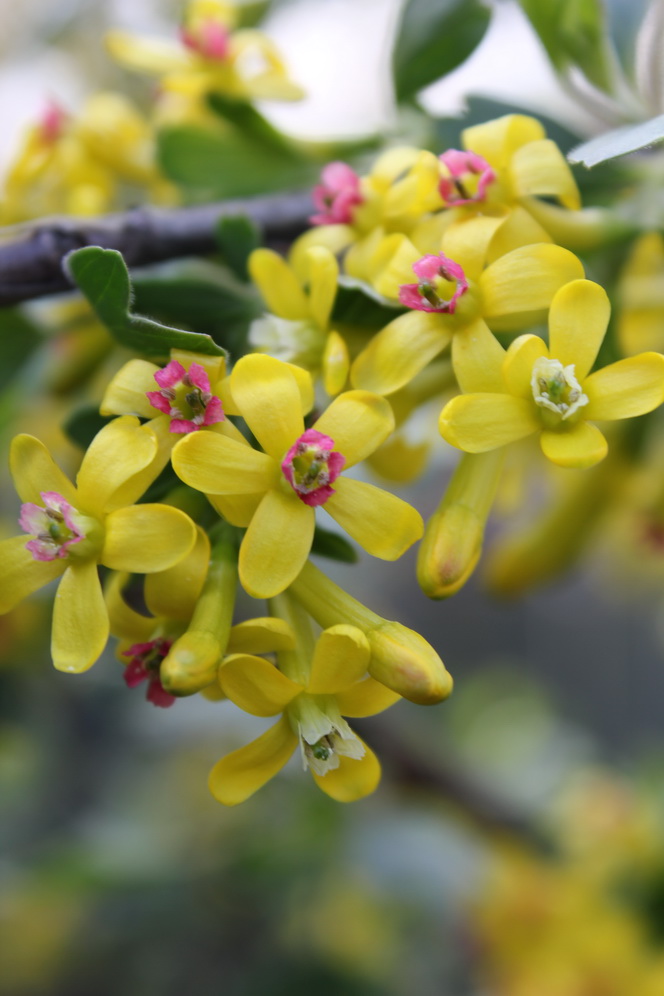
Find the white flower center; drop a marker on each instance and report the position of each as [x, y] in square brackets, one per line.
[324, 735]
[556, 388]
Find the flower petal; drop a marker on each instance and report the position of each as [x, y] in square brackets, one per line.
[477, 358]
[582, 446]
[323, 274]
[336, 238]
[126, 623]
[276, 544]
[629, 387]
[146, 538]
[517, 288]
[578, 319]
[80, 619]
[214, 464]
[255, 685]
[366, 698]
[278, 284]
[268, 397]
[340, 659]
[335, 364]
[21, 574]
[539, 169]
[480, 422]
[118, 451]
[159, 429]
[34, 471]
[239, 510]
[148, 55]
[174, 592]
[519, 362]
[238, 775]
[126, 393]
[467, 241]
[264, 635]
[400, 351]
[384, 525]
[497, 140]
[358, 422]
[353, 779]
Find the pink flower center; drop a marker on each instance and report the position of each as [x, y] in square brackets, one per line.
[52, 121]
[145, 662]
[468, 179]
[336, 195]
[186, 397]
[210, 39]
[55, 526]
[441, 283]
[311, 466]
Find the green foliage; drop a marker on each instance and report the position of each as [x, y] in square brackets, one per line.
[357, 303]
[619, 142]
[573, 32]
[102, 276]
[213, 165]
[333, 546]
[18, 340]
[237, 238]
[433, 39]
[201, 297]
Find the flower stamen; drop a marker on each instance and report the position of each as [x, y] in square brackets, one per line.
[556, 388]
[441, 283]
[311, 465]
[186, 396]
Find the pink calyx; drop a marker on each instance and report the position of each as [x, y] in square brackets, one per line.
[311, 466]
[336, 195]
[54, 526]
[186, 396]
[211, 40]
[441, 283]
[469, 177]
[144, 665]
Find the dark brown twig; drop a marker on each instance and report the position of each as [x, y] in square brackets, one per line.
[31, 254]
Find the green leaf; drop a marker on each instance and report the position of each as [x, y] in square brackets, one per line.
[359, 304]
[433, 39]
[201, 297]
[333, 546]
[215, 166]
[252, 125]
[102, 276]
[83, 424]
[237, 238]
[573, 32]
[619, 142]
[19, 338]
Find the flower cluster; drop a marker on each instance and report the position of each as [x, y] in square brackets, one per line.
[476, 303]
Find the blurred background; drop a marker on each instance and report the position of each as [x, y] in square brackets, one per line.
[514, 847]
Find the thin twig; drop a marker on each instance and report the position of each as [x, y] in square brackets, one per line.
[31, 254]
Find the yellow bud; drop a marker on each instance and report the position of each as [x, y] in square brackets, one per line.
[449, 552]
[191, 663]
[406, 663]
[452, 542]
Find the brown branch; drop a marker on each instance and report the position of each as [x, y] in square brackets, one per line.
[449, 783]
[31, 254]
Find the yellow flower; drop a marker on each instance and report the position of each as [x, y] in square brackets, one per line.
[459, 301]
[551, 390]
[74, 165]
[209, 58]
[399, 190]
[297, 328]
[276, 490]
[314, 687]
[76, 527]
[641, 298]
